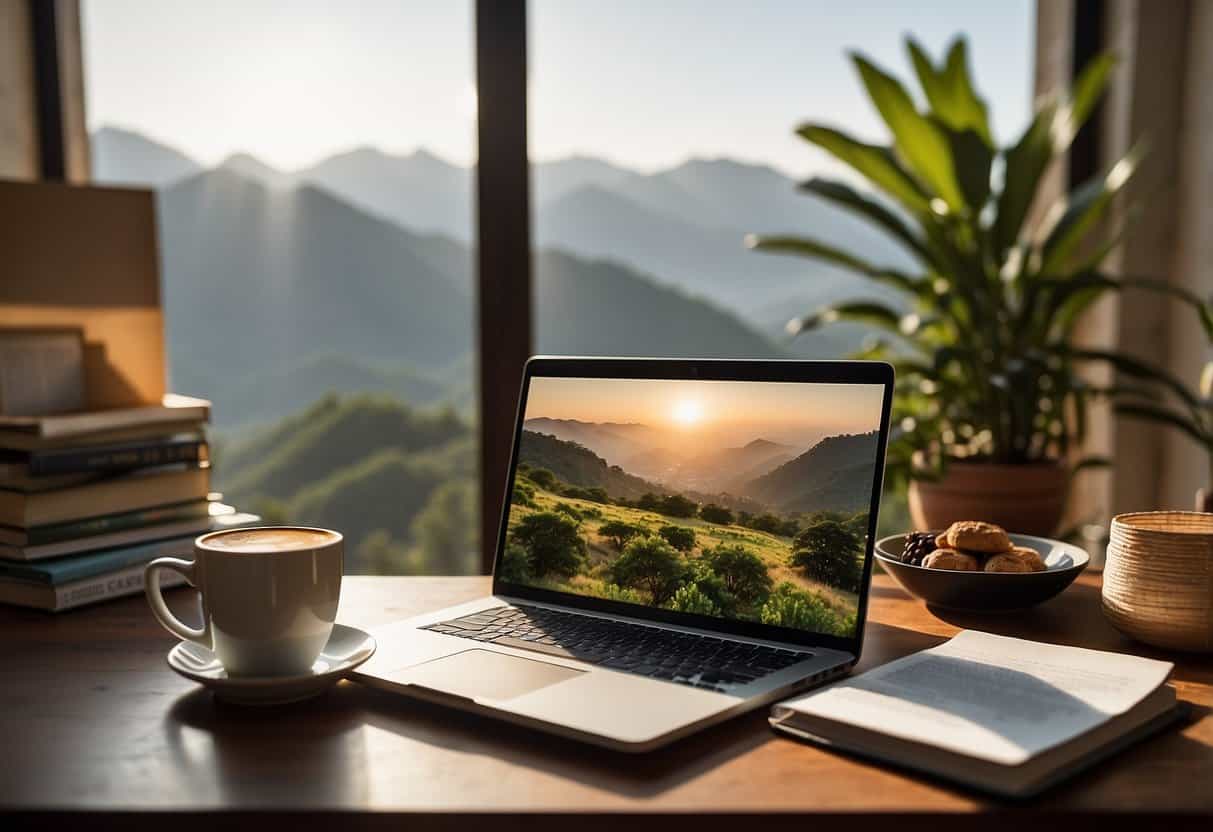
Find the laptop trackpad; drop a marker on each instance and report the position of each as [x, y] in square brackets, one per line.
[485, 675]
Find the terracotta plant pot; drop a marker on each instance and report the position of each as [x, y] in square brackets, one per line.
[1024, 499]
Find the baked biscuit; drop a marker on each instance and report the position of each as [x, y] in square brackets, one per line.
[976, 536]
[1010, 562]
[951, 559]
[1029, 555]
[941, 540]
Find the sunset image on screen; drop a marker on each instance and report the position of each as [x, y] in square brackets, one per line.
[741, 500]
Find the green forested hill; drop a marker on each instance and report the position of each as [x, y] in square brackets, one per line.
[833, 475]
[384, 491]
[397, 482]
[332, 434]
[580, 466]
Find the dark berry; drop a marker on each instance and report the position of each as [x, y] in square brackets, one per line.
[918, 546]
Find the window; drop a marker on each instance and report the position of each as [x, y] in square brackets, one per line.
[312, 167]
[662, 133]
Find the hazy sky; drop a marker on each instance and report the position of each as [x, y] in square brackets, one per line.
[644, 83]
[732, 411]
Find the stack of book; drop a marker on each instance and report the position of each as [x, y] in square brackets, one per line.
[87, 499]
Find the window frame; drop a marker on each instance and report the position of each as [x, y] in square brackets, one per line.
[504, 301]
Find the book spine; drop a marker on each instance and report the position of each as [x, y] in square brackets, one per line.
[128, 581]
[118, 458]
[39, 535]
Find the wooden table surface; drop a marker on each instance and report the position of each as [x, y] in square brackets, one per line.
[92, 719]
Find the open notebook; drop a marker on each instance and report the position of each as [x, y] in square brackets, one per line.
[1000, 714]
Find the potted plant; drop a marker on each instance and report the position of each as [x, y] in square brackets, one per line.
[989, 401]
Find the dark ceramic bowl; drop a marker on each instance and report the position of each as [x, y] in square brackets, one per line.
[986, 591]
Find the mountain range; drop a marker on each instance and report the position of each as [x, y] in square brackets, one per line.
[649, 452]
[263, 285]
[684, 225]
[835, 474]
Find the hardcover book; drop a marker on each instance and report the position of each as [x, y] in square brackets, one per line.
[22, 440]
[110, 523]
[126, 581]
[172, 409]
[38, 465]
[163, 531]
[111, 496]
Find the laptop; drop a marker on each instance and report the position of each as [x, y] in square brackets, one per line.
[682, 541]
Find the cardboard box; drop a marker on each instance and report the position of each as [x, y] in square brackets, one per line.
[86, 258]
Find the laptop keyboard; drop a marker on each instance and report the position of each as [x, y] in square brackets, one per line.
[686, 658]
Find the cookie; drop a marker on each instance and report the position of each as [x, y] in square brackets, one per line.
[1010, 562]
[941, 541]
[976, 536]
[951, 559]
[1028, 555]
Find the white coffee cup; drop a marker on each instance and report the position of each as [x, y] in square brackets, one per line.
[269, 596]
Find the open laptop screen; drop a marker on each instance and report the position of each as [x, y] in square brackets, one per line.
[739, 500]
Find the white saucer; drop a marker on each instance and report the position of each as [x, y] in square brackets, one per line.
[347, 648]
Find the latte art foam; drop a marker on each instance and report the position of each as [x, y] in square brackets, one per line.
[265, 541]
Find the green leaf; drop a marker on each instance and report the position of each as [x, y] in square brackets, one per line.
[919, 142]
[949, 90]
[1049, 134]
[1202, 307]
[945, 356]
[1120, 392]
[873, 349]
[867, 312]
[1025, 164]
[1087, 463]
[1072, 218]
[1084, 95]
[1155, 413]
[783, 244]
[877, 164]
[1140, 369]
[1089, 286]
[847, 197]
[1096, 255]
[968, 103]
[973, 159]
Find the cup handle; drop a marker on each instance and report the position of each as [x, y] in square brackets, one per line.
[151, 586]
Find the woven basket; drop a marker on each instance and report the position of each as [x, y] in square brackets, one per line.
[1158, 581]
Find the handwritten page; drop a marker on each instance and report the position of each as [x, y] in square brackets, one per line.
[992, 697]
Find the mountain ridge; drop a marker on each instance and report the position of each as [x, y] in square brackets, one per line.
[834, 474]
[577, 465]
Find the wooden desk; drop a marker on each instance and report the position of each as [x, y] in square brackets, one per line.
[91, 719]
